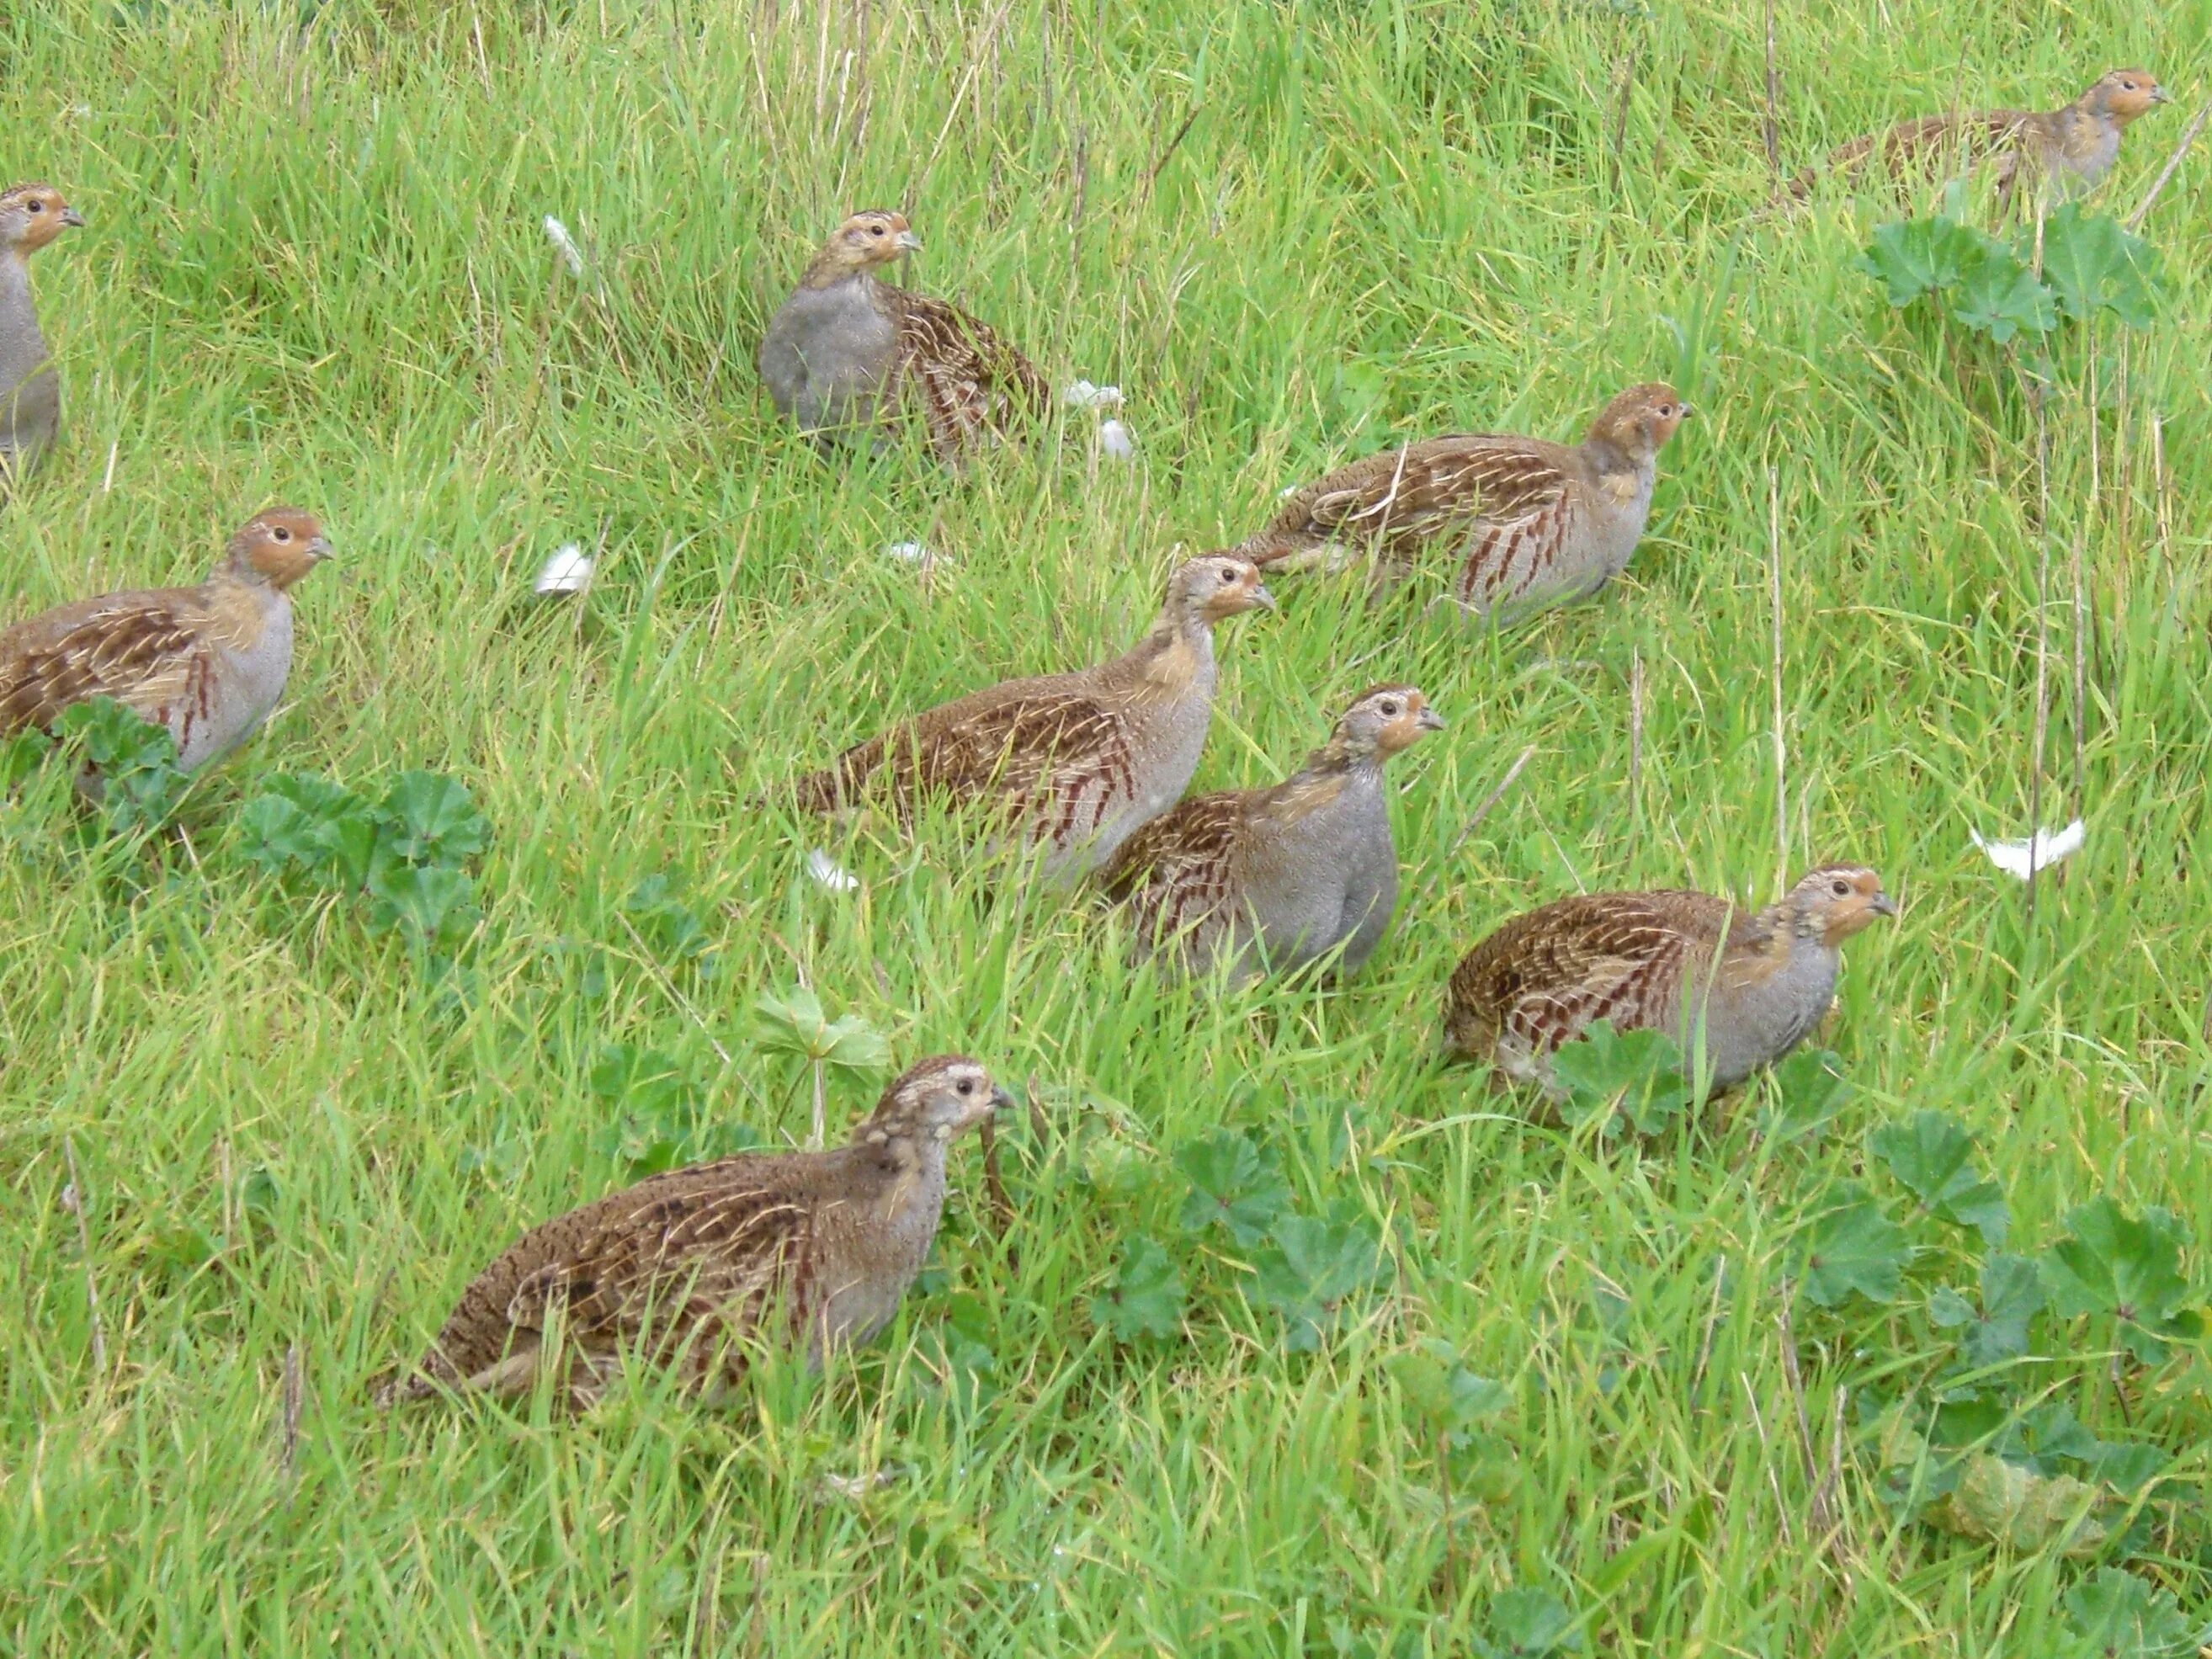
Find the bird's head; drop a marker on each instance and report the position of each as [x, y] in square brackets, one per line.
[1214, 588]
[937, 1099]
[32, 215]
[871, 238]
[1836, 901]
[1385, 720]
[279, 547]
[1639, 422]
[2123, 95]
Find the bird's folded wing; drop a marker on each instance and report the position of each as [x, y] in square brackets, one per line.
[966, 377]
[1414, 493]
[1615, 957]
[143, 649]
[1182, 866]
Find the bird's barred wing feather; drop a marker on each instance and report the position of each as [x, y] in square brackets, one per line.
[1915, 144]
[1404, 496]
[142, 649]
[1183, 868]
[966, 380]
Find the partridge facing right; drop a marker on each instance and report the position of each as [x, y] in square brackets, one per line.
[1747, 985]
[1273, 879]
[30, 217]
[1535, 524]
[2068, 150]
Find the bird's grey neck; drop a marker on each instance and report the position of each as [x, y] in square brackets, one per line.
[22, 346]
[828, 279]
[1338, 759]
[1613, 458]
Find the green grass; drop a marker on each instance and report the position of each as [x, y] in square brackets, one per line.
[315, 273]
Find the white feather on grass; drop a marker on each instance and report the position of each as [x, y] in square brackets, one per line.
[2045, 848]
[827, 873]
[565, 246]
[1115, 441]
[910, 553]
[1084, 395]
[569, 571]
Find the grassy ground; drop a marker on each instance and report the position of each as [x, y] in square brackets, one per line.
[315, 272]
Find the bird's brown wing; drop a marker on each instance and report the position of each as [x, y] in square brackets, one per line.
[1912, 147]
[1016, 744]
[714, 1243]
[148, 650]
[1183, 868]
[1619, 957]
[1401, 498]
[965, 379]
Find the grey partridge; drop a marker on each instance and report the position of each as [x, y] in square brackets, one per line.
[848, 355]
[1532, 523]
[1738, 989]
[1273, 879]
[30, 217]
[209, 662]
[807, 1250]
[2068, 150]
[1072, 764]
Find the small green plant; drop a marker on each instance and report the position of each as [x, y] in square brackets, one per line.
[793, 1022]
[140, 783]
[1317, 1270]
[1144, 1301]
[1627, 1079]
[1995, 287]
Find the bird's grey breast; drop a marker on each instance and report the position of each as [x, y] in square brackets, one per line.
[226, 707]
[827, 353]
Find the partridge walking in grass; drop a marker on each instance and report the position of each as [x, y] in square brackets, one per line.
[30, 217]
[1738, 989]
[2068, 150]
[1076, 763]
[848, 353]
[207, 662]
[687, 1268]
[1271, 879]
[1534, 523]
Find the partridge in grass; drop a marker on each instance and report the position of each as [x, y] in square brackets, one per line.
[848, 353]
[685, 1270]
[1534, 523]
[1748, 985]
[2068, 150]
[207, 662]
[1077, 763]
[31, 216]
[1271, 879]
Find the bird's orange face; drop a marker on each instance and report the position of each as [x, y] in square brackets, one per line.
[32, 215]
[871, 238]
[1841, 900]
[1642, 418]
[1223, 587]
[280, 546]
[2125, 93]
[1393, 717]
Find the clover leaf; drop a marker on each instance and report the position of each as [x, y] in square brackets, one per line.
[1315, 1269]
[1234, 1184]
[2090, 263]
[1852, 1249]
[2127, 1267]
[1145, 1299]
[2118, 1616]
[1996, 1331]
[1931, 1154]
[1636, 1074]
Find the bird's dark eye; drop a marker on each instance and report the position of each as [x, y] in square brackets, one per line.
[1389, 705]
[1841, 888]
[966, 1086]
[281, 533]
[875, 230]
[34, 205]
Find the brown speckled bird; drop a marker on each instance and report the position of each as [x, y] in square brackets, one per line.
[1077, 761]
[685, 1269]
[1749, 985]
[846, 354]
[2068, 150]
[1534, 523]
[209, 662]
[1275, 878]
[30, 217]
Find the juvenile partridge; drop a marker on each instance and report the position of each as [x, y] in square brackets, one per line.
[803, 1249]
[1274, 878]
[850, 355]
[1746, 986]
[1075, 762]
[208, 662]
[2069, 149]
[1534, 523]
[31, 216]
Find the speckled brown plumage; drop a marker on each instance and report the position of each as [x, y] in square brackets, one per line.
[2070, 148]
[1277, 877]
[847, 354]
[1077, 761]
[1745, 987]
[685, 1269]
[208, 662]
[1533, 523]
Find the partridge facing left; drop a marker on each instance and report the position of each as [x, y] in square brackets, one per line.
[1271, 879]
[848, 355]
[1534, 523]
[1071, 763]
[31, 218]
[209, 662]
[1743, 987]
[810, 1251]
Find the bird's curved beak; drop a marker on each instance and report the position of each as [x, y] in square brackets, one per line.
[1429, 720]
[71, 216]
[908, 242]
[1883, 905]
[2161, 96]
[1262, 599]
[1687, 410]
[1000, 1100]
[320, 549]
